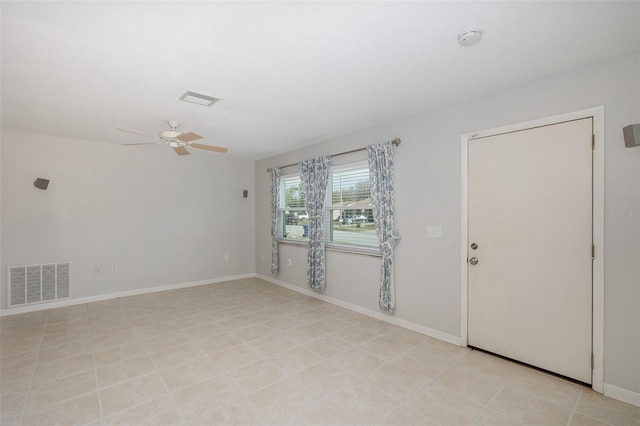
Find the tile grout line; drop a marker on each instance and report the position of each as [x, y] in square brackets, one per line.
[575, 406]
[507, 383]
[523, 390]
[33, 373]
[33, 376]
[287, 375]
[95, 370]
[133, 406]
[169, 394]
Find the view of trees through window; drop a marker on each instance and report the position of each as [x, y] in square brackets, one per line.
[348, 215]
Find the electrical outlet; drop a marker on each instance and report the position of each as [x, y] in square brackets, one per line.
[114, 269]
[289, 262]
[97, 270]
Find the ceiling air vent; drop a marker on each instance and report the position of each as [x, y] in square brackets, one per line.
[198, 98]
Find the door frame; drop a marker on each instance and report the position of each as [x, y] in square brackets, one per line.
[597, 113]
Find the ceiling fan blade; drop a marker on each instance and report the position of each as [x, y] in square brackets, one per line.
[143, 143]
[188, 137]
[209, 147]
[181, 150]
[137, 133]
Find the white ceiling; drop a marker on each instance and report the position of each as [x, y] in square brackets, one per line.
[289, 73]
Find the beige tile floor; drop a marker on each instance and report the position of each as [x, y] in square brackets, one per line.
[249, 352]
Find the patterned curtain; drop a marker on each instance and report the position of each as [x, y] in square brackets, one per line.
[381, 182]
[314, 175]
[275, 199]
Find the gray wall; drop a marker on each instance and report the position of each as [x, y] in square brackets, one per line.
[161, 219]
[428, 188]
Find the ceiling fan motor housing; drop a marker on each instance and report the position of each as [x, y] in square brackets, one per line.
[169, 134]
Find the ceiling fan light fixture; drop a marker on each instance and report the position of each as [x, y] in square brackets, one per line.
[174, 144]
[198, 98]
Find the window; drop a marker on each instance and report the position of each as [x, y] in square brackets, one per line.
[350, 218]
[348, 214]
[292, 218]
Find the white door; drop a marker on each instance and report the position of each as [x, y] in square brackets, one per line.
[530, 221]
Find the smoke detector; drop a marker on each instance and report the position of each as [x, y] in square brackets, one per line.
[469, 37]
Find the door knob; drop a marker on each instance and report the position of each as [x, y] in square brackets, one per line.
[473, 261]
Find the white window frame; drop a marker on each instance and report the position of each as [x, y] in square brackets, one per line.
[282, 209]
[351, 248]
[358, 165]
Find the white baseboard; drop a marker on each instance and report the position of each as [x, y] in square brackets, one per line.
[101, 297]
[368, 312]
[621, 394]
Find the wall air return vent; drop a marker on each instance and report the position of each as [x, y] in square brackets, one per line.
[30, 284]
[198, 98]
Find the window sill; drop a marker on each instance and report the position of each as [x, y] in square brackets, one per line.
[363, 251]
[292, 242]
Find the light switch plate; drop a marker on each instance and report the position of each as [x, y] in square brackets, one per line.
[434, 232]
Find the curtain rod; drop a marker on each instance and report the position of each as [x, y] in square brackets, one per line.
[396, 142]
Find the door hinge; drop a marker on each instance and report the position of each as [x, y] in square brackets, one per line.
[593, 251]
[592, 361]
[593, 142]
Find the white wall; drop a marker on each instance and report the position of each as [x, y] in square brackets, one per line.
[428, 188]
[161, 219]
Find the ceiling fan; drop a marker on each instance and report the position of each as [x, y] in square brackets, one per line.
[176, 140]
